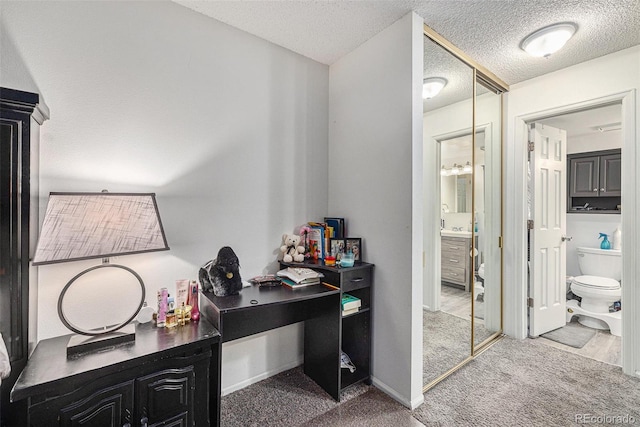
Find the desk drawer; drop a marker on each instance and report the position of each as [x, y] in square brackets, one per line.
[454, 274]
[355, 279]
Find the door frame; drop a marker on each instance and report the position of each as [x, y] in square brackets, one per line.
[630, 180]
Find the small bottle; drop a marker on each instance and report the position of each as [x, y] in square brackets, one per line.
[193, 300]
[162, 307]
[180, 315]
[172, 321]
[617, 239]
[605, 241]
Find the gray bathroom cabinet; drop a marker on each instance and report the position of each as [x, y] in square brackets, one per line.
[594, 181]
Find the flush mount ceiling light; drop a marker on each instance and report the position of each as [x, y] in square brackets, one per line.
[432, 86]
[548, 40]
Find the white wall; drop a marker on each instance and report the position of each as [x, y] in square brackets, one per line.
[228, 130]
[612, 76]
[375, 138]
[594, 142]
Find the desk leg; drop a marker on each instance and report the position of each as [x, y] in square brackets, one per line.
[322, 344]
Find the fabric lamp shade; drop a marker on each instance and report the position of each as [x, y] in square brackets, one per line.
[80, 226]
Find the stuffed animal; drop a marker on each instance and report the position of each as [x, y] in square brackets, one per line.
[291, 249]
[222, 275]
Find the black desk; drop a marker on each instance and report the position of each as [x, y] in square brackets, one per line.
[259, 309]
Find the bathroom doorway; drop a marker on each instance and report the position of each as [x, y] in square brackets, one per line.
[592, 133]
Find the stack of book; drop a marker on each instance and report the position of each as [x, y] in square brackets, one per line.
[299, 277]
[350, 304]
[269, 280]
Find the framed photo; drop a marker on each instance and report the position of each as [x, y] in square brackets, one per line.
[354, 244]
[337, 246]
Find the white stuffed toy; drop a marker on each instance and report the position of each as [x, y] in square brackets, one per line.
[291, 249]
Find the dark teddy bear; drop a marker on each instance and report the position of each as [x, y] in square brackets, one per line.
[222, 275]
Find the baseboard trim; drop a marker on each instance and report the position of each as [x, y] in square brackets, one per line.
[263, 376]
[411, 404]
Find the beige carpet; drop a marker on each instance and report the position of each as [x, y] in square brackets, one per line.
[513, 383]
[446, 342]
[526, 383]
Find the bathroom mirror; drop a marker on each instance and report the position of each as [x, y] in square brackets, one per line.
[455, 175]
[462, 296]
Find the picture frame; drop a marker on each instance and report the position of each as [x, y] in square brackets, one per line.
[337, 246]
[317, 242]
[354, 244]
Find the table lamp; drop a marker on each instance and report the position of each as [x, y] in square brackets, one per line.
[80, 226]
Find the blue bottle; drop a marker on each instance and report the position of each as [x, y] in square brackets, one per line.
[606, 244]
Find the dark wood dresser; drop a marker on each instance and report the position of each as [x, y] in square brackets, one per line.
[162, 378]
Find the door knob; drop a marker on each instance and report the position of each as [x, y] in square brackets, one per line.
[566, 238]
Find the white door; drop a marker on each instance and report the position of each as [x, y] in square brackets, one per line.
[548, 252]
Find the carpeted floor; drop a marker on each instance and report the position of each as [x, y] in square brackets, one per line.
[293, 399]
[527, 383]
[512, 383]
[445, 343]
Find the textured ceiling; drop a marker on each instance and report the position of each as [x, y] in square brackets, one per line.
[489, 31]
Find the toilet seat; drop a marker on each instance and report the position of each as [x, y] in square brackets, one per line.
[597, 282]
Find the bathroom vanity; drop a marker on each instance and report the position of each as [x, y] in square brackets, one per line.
[455, 259]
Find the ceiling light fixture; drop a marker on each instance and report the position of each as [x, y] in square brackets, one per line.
[444, 171]
[547, 40]
[467, 168]
[432, 86]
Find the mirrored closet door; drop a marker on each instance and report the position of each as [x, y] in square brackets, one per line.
[463, 228]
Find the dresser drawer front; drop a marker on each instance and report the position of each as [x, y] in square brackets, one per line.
[454, 243]
[454, 274]
[454, 260]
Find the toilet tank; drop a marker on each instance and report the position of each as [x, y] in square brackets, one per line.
[600, 262]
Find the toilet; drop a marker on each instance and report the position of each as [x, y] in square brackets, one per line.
[599, 288]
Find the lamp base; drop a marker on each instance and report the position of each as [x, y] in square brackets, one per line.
[83, 343]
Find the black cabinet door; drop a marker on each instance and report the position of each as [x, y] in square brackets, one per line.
[112, 406]
[94, 405]
[584, 176]
[611, 175]
[166, 396]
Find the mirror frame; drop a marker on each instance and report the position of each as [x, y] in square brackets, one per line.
[499, 87]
